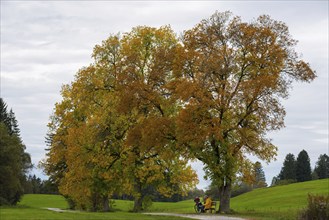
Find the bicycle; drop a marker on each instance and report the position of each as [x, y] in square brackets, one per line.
[198, 207]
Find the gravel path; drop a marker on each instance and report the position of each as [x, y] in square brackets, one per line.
[199, 216]
[60, 210]
[191, 216]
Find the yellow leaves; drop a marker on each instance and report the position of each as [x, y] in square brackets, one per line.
[246, 170]
[150, 172]
[303, 72]
[107, 54]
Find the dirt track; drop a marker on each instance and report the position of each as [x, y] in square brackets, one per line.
[199, 216]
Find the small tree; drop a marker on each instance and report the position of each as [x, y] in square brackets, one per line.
[322, 167]
[303, 167]
[260, 180]
[275, 181]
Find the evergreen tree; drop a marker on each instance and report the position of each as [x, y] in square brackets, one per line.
[303, 167]
[288, 171]
[4, 117]
[13, 124]
[14, 161]
[260, 180]
[322, 166]
[275, 181]
[8, 118]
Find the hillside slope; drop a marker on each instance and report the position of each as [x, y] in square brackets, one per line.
[279, 199]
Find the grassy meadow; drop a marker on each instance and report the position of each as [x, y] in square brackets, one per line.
[34, 207]
[280, 202]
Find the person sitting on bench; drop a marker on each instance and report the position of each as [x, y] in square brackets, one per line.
[207, 203]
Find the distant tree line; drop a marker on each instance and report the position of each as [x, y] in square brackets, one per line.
[35, 185]
[299, 170]
[14, 161]
[157, 197]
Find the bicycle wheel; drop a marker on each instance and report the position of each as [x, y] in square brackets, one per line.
[197, 208]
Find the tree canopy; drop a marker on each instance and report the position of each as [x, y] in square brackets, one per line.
[113, 132]
[151, 101]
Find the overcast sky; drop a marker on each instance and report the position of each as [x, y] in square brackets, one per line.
[43, 44]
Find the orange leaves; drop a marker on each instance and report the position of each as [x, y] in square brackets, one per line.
[303, 72]
[234, 73]
[155, 131]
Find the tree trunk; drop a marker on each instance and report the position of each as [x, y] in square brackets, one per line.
[138, 201]
[225, 196]
[106, 206]
[94, 203]
[138, 204]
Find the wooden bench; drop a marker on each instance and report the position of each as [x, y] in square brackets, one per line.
[213, 207]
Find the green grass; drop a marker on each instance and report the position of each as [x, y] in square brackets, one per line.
[43, 201]
[186, 207]
[33, 207]
[280, 202]
[273, 203]
[42, 214]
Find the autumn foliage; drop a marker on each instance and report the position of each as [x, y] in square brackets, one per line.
[151, 101]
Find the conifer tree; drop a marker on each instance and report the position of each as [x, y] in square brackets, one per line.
[260, 180]
[4, 117]
[8, 118]
[288, 171]
[303, 167]
[322, 166]
[14, 161]
[13, 124]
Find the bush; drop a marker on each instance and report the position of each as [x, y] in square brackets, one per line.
[317, 208]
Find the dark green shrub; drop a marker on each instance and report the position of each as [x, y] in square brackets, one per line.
[317, 208]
